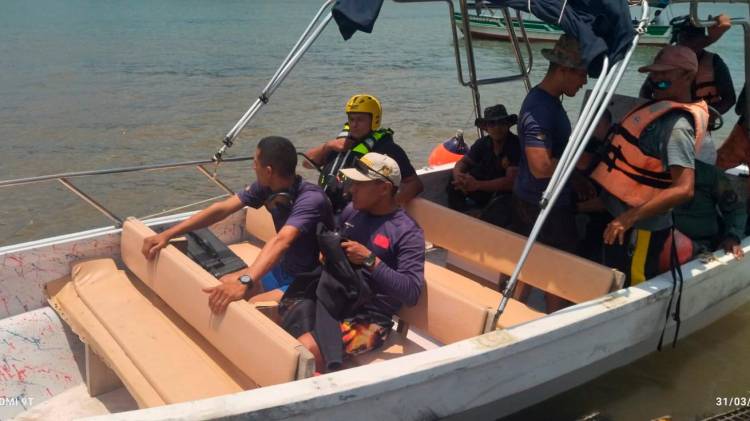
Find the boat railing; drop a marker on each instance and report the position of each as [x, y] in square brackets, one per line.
[474, 82]
[66, 179]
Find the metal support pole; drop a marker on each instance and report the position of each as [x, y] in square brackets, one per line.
[470, 60]
[516, 48]
[153, 167]
[526, 41]
[88, 199]
[311, 33]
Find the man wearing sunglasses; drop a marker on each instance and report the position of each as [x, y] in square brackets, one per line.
[713, 81]
[383, 240]
[649, 168]
[296, 207]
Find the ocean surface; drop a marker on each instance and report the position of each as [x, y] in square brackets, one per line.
[99, 84]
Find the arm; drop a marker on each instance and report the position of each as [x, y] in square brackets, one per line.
[411, 185]
[504, 184]
[724, 85]
[733, 215]
[406, 280]
[461, 167]
[723, 23]
[318, 154]
[231, 289]
[409, 189]
[541, 162]
[272, 251]
[206, 217]
[681, 191]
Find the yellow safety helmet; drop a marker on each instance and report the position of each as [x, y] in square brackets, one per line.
[363, 103]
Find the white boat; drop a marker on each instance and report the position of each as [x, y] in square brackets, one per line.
[90, 328]
[493, 26]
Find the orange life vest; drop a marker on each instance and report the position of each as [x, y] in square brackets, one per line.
[626, 171]
[705, 80]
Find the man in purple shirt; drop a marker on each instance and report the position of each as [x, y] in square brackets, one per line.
[387, 244]
[296, 207]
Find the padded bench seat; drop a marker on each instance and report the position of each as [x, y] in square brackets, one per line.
[166, 363]
[158, 335]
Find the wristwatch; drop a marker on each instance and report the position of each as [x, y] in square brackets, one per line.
[369, 261]
[246, 280]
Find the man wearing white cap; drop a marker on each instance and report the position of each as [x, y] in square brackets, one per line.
[649, 167]
[387, 243]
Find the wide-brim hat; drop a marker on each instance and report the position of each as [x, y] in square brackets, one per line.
[496, 114]
[566, 52]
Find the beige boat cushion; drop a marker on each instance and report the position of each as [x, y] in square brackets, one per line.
[259, 224]
[560, 273]
[177, 369]
[453, 307]
[245, 251]
[515, 313]
[63, 297]
[261, 349]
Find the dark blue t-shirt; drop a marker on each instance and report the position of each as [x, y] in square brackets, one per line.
[543, 123]
[399, 243]
[310, 207]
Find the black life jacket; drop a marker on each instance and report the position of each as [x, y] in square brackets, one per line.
[330, 179]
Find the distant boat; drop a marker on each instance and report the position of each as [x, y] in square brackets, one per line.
[488, 26]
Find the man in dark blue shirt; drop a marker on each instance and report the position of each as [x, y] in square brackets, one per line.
[296, 207]
[543, 131]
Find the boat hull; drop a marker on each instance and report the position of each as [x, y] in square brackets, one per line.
[498, 373]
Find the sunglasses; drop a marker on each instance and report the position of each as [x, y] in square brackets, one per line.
[365, 169]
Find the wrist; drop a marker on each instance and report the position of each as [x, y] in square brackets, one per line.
[370, 261]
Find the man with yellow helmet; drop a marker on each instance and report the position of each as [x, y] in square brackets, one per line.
[362, 134]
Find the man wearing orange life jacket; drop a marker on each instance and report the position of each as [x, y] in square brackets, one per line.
[713, 82]
[649, 168]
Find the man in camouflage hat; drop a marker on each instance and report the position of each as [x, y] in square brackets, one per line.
[543, 131]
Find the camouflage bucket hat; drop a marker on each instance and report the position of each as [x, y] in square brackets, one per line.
[566, 52]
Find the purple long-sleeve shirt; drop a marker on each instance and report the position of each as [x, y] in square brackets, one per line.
[399, 244]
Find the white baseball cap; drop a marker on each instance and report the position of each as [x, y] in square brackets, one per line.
[374, 166]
